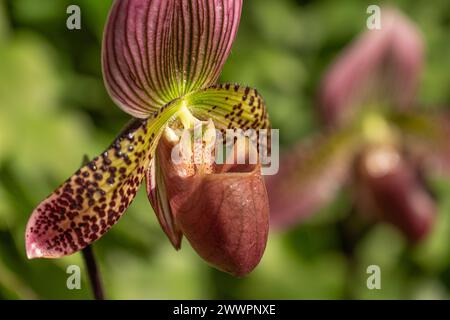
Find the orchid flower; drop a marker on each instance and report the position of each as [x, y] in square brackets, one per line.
[374, 140]
[161, 60]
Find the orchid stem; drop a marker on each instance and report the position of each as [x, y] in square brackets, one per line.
[94, 273]
[91, 264]
[351, 231]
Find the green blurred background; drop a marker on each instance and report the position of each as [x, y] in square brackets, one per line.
[54, 109]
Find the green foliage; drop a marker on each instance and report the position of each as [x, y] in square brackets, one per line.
[54, 109]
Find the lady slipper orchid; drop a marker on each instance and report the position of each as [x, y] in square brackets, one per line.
[374, 141]
[161, 61]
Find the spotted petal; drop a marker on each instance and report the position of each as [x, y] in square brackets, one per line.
[91, 201]
[230, 106]
[155, 51]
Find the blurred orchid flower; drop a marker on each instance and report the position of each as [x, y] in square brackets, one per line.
[374, 139]
[161, 60]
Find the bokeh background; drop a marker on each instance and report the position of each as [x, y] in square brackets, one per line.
[54, 109]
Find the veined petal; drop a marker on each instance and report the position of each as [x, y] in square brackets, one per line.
[230, 106]
[91, 201]
[310, 175]
[381, 67]
[155, 51]
[203, 35]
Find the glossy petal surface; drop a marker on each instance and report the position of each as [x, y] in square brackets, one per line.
[226, 220]
[221, 209]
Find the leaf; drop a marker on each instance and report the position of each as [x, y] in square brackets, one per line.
[156, 51]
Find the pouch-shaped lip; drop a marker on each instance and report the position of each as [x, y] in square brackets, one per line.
[222, 210]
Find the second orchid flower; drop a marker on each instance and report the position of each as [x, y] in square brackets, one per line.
[373, 139]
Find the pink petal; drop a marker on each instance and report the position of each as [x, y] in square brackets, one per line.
[380, 67]
[155, 51]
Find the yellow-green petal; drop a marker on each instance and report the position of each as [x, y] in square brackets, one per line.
[91, 201]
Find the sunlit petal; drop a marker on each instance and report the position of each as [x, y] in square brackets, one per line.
[91, 201]
[155, 51]
[230, 106]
